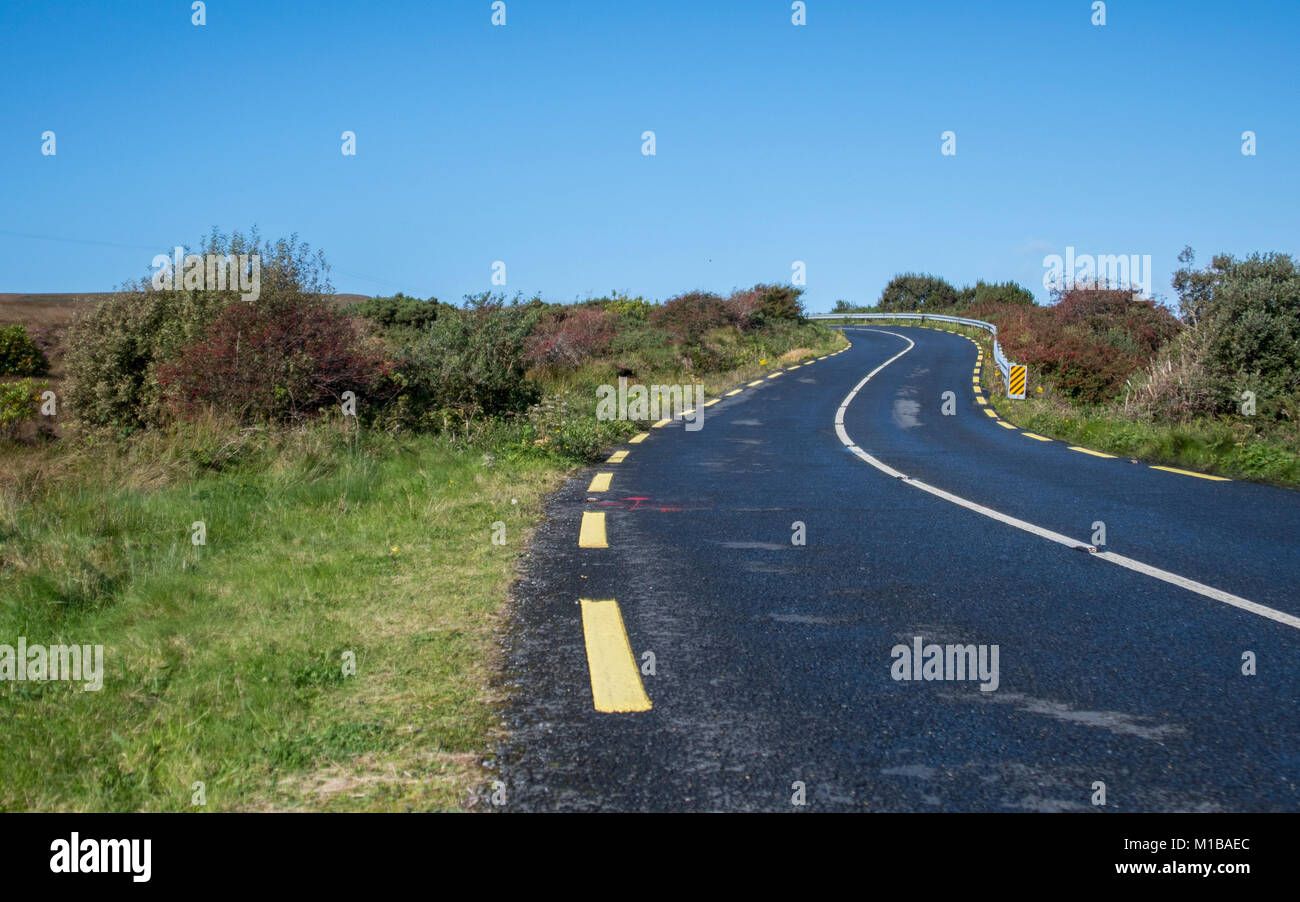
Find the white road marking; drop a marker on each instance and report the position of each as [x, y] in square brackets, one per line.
[1174, 579]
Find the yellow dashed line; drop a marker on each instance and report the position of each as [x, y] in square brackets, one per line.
[711, 403]
[979, 399]
[1005, 425]
[773, 376]
[638, 438]
[1041, 438]
[687, 413]
[1190, 473]
[600, 482]
[661, 424]
[1090, 451]
[990, 413]
[592, 532]
[734, 392]
[616, 457]
[615, 680]
[977, 389]
[756, 382]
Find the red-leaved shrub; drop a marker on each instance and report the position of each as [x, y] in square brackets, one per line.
[1088, 343]
[569, 336]
[688, 316]
[279, 361]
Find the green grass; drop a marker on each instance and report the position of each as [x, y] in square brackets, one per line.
[1238, 448]
[223, 662]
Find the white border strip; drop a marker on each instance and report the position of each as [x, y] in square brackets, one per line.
[1172, 578]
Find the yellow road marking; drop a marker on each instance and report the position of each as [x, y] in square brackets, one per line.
[756, 382]
[711, 403]
[617, 457]
[977, 389]
[979, 399]
[592, 532]
[1090, 451]
[600, 482]
[734, 392]
[1041, 438]
[1190, 473]
[823, 357]
[687, 413]
[661, 424]
[789, 368]
[1005, 425]
[773, 376]
[615, 680]
[638, 438]
[990, 413]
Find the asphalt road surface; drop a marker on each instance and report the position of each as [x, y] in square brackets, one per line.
[775, 664]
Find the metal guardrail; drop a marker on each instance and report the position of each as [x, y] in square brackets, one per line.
[1004, 365]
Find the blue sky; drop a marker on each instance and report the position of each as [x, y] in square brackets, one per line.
[522, 143]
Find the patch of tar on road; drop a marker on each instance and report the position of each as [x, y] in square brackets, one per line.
[1115, 721]
[805, 619]
[909, 770]
[905, 414]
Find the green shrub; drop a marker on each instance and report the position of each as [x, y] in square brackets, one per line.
[637, 308]
[999, 293]
[19, 404]
[398, 311]
[1247, 314]
[19, 355]
[468, 364]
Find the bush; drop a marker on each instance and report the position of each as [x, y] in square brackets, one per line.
[688, 316]
[638, 308]
[1000, 293]
[1247, 336]
[1088, 344]
[19, 405]
[916, 291]
[569, 336]
[19, 355]
[113, 352]
[469, 364]
[761, 305]
[398, 311]
[280, 361]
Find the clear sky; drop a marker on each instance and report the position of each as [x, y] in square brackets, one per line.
[775, 142]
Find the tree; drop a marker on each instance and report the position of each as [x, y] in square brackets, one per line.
[917, 291]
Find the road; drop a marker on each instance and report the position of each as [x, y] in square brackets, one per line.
[774, 663]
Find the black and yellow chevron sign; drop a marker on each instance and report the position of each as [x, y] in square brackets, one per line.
[1016, 386]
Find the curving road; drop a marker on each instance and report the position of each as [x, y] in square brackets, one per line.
[775, 663]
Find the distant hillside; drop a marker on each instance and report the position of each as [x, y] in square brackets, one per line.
[37, 310]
